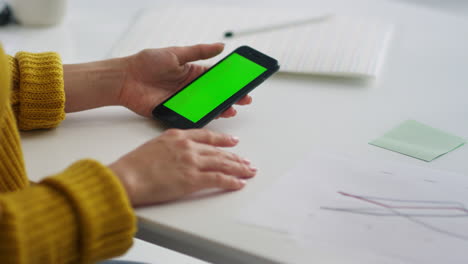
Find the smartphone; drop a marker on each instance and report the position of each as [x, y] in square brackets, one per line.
[217, 89]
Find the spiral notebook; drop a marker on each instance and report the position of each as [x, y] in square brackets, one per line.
[338, 45]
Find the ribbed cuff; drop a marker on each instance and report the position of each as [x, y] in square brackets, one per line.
[5, 80]
[15, 84]
[37, 225]
[106, 219]
[41, 90]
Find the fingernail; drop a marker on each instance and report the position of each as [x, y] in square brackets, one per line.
[246, 161]
[254, 169]
[234, 139]
[242, 182]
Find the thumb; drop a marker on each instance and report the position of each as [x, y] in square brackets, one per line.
[197, 52]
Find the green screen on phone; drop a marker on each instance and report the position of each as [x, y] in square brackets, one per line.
[214, 87]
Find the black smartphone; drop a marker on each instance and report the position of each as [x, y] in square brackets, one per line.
[217, 89]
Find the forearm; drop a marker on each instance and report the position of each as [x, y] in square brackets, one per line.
[94, 84]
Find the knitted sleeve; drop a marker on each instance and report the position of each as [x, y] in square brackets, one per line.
[38, 96]
[81, 215]
[4, 82]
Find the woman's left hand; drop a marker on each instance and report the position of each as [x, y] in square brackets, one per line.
[155, 74]
[139, 82]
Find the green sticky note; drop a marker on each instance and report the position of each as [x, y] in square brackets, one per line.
[419, 141]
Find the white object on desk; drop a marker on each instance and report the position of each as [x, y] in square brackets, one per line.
[338, 45]
[39, 12]
[382, 210]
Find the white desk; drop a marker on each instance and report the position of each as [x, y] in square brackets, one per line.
[424, 78]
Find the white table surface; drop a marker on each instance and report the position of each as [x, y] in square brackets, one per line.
[424, 78]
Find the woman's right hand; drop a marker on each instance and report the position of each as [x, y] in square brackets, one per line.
[180, 162]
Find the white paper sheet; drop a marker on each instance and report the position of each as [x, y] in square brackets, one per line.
[339, 45]
[369, 210]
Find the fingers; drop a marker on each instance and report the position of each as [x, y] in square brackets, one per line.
[207, 150]
[226, 166]
[230, 112]
[247, 99]
[206, 137]
[222, 169]
[197, 52]
[221, 180]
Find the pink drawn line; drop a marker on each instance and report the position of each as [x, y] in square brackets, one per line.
[404, 207]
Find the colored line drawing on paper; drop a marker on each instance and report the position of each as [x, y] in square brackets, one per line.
[417, 209]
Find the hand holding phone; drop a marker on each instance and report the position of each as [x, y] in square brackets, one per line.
[217, 89]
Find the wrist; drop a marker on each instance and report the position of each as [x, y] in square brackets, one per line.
[125, 179]
[94, 84]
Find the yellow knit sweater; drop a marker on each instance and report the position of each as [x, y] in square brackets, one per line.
[80, 215]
